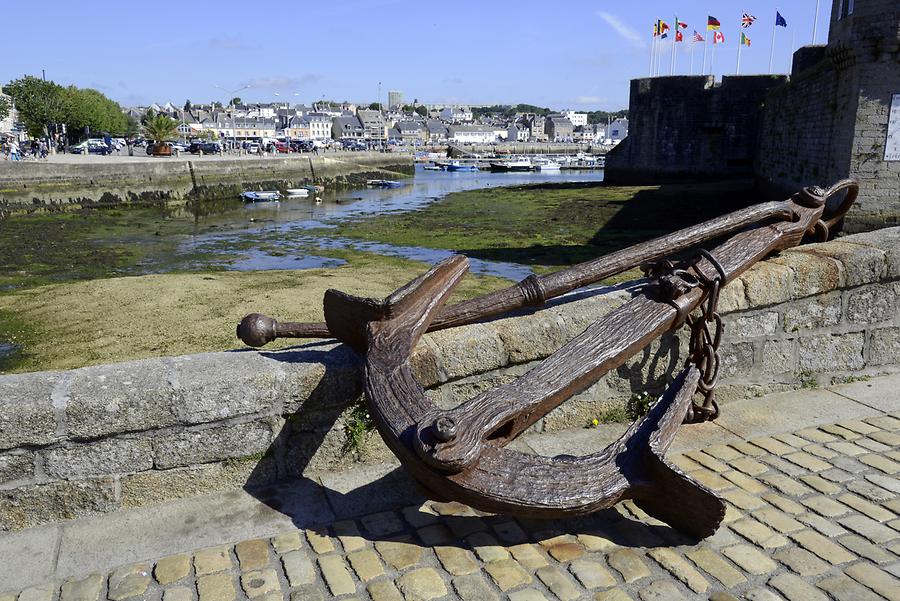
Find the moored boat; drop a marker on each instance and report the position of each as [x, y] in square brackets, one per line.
[262, 196]
[383, 183]
[457, 166]
[297, 192]
[515, 164]
[544, 164]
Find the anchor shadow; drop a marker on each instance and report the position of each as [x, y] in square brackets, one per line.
[291, 480]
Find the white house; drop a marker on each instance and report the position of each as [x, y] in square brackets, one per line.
[517, 133]
[6, 125]
[319, 126]
[456, 115]
[577, 118]
[472, 134]
[617, 131]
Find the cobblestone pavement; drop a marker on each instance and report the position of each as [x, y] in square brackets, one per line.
[812, 515]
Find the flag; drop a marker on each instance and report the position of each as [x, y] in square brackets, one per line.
[745, 40]
[712, 23]
[779, 20]
[656, 29]
[747, 20]
[680, 24]
[662, 26]
[664, 35]
[719, 38]
[679, 37]
[698, 37]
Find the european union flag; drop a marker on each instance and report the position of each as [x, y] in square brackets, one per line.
[779, 20]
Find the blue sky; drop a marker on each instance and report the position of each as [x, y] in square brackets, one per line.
[577, 54]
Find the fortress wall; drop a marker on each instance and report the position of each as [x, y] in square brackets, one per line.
[685, 127]
[96, 439]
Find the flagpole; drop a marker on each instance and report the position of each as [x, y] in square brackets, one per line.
[693, 43]
[815, 22]
[674, 37]
[772, 49]
[705, 46]
[737, 70]
[652, 51]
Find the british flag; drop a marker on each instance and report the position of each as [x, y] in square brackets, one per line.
[747, 20]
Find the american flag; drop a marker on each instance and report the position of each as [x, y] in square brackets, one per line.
[747, 20]
[698, 37]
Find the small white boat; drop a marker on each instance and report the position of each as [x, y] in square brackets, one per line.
[431, 167]
[297, 192]
[263, 196]
[542, 164]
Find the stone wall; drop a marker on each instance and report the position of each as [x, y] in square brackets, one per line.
[100, 438]
[830, 121]
[688, 127]
[37, 185]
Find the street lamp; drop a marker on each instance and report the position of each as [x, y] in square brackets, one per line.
[231, 103]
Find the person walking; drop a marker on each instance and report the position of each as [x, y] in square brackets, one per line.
[13, 150]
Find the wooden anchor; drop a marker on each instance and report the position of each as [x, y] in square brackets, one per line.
[461, 453]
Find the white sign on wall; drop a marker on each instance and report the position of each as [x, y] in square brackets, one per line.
[892, 144]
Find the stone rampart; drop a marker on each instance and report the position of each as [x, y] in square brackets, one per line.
[100, 438]
[687, 127]
[37, 185]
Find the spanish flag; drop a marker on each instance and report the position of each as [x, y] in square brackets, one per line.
[712, 23]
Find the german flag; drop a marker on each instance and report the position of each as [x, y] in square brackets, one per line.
[712, 23]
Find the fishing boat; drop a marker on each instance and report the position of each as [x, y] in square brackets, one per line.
[383, 183]
[515, 164]
[432, 167]
[313, 188]
[262, 196]
[457, 166]
[544, 164]
[297, 192]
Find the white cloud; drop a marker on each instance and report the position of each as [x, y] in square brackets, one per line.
[590, 99]
[629, 34]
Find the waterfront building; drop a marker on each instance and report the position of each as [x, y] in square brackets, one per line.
[395, 99]
[373, 124]
[320, 125]
[517, 132]
[535, 125]
[577, 119]
[7, 125]
[456, 115]
[472, 134]
[558, 128]
[411, 131]
[347, 127]
[617, 131]
[298, 128]
[436, 131]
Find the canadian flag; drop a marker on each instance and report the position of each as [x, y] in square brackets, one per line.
[719, 38]
[679, 37]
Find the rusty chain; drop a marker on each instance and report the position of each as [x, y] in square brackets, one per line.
[673, 282]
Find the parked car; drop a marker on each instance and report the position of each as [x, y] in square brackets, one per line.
[205, 147]
[282, 147]
[92, 146]
[253, 148]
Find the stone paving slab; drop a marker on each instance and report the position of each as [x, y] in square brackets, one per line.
[873, 392]
[812, 513]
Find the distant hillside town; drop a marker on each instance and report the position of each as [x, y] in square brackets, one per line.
[403, 124]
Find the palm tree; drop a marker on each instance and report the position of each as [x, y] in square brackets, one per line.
[160, 129]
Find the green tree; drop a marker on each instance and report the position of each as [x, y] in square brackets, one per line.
[161, 128]
[85, 107]
[236, 100]
[375, 106]
[188, 106]
[422, 110]
[38, 102]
